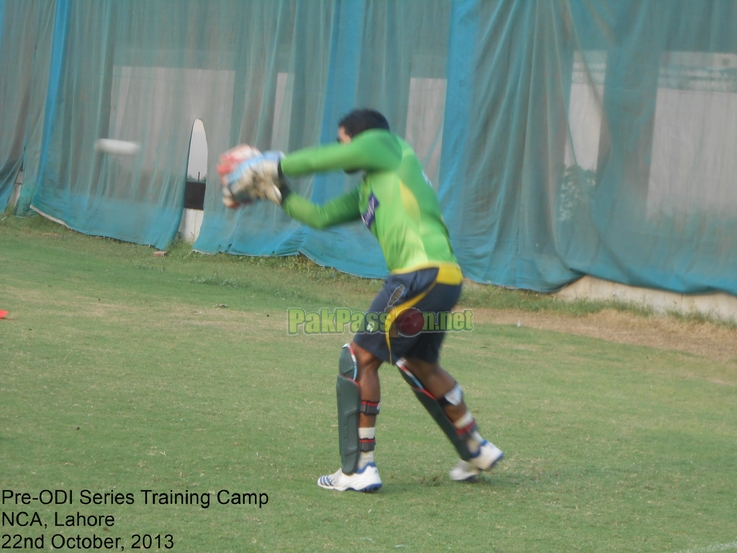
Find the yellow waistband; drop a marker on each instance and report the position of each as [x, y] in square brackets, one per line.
[448, 273]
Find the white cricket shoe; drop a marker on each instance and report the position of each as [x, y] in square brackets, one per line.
[468, 471]
[363, 480]
[464, 472]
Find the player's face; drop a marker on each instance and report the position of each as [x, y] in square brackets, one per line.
[343, 138]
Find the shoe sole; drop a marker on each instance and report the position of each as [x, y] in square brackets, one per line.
[368, 489]
[491, 466]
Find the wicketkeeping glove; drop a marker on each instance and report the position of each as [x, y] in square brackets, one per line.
[229, 162]
[254, 178]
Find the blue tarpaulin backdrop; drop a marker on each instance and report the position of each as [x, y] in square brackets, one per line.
[565, 138]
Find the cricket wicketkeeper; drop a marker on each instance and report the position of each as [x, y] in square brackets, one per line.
[400, 208]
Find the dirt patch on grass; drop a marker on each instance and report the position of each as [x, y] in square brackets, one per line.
[662, 332]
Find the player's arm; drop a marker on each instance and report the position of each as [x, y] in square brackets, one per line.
[339, 210]
[262, 176]
[374, 150]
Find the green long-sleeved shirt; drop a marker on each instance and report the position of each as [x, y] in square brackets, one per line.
[395, 199]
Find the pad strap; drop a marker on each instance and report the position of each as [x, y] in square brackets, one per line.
[453, 397]
[367, 444]
[370, 407]
[464, 433]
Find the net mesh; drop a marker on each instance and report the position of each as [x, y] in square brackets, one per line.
[567, 138]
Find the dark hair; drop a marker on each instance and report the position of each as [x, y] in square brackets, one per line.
[360, 120]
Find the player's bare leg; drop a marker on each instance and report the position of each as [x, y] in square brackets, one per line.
[438, 390]
[368, 381]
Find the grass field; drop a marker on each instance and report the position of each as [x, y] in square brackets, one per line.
[122, 372]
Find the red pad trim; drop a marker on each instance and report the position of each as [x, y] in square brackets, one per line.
[466, 429]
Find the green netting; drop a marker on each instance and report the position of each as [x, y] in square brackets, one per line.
[564, 137]
[26, 28]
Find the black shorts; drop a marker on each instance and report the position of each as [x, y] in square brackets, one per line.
[406, 317]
